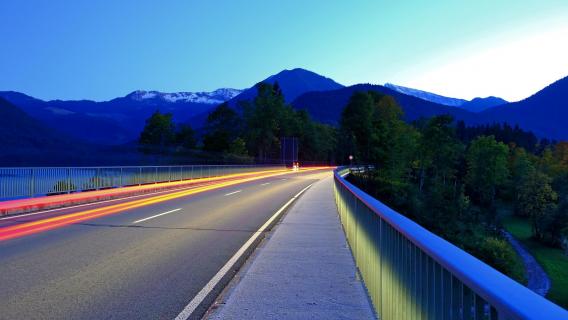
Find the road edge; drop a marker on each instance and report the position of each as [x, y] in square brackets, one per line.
[201, 303]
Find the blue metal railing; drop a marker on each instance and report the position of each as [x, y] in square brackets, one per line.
[31, 182]
[410, 273]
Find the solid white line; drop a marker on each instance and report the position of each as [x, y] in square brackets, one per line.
[158, 215]
[230, 193]
[198, 299]
[264, 184]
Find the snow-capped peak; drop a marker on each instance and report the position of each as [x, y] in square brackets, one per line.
[214, 97]
[428, 96]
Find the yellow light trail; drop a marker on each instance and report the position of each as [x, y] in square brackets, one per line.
[59, 221]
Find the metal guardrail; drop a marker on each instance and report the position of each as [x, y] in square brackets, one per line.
[31, 182]
[410, 273]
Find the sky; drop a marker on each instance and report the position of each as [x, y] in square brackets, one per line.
[54, 49]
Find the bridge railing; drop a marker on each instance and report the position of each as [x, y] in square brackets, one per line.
[39, 181]
[410, 273]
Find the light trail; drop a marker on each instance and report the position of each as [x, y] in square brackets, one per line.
[33, 227]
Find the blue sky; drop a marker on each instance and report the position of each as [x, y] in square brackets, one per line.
[102, 49]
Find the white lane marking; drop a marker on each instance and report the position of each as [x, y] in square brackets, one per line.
[284, 179]
[230, 193]
[198, 299]
[155, 216]
[265, 184]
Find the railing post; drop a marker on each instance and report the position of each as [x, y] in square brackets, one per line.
[98, 179]
[32, 183]
[68, 180]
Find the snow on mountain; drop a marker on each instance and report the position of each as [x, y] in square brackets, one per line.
[428, 96]
[214, 97]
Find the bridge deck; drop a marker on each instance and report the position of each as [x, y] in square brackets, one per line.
[304, 270]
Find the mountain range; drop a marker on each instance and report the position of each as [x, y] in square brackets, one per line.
[545, 113]
[120, 120]
[475, 105]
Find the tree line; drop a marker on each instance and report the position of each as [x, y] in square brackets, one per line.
[452, 179]
[251, 129]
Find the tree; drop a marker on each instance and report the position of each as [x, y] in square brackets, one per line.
[185, 136]
[439, 151]
[267, 119]
[556, 224]
[159, 131]
[486, 169]
[438, 155]
[222, 127]
[536, 200]
[356, 127]
[238, 147]
[373, 131]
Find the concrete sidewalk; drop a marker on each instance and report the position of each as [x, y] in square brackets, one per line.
[304, 270]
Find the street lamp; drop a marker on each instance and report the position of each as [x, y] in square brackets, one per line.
[350, 162]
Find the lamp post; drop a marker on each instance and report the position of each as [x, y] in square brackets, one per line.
[350, 162]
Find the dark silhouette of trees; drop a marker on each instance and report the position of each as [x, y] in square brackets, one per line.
[160, 132]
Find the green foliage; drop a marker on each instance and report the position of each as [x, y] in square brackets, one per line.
[487, 169]
[356, 127]
[501, 256]
[536, 200]
[372, 130]
[161, 133]
[267, 119]
[449, 178]
[555, 225]
[238, 147]
[185, 137]
[159, 130]
[221, 129]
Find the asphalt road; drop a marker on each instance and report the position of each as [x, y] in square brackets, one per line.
[142, 263]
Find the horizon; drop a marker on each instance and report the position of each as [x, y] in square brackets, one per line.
[62, 51]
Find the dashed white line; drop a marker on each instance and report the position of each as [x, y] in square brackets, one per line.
[284, 179]
[158, 215]
[230, 193]
[198, 299]
[266, 183]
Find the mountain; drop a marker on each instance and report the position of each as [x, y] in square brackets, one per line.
[19, 130]
[327, 106]
[24, 141]
[155, 97]
[428, 96]
[545, 113]
[293, 83]
[482, 104]
[119, 120]
[475, 105]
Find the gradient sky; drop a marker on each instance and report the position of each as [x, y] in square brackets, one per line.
[54, 49]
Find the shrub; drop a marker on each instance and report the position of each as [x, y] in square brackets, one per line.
[500, 255]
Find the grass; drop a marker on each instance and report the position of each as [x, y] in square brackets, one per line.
[553, 260]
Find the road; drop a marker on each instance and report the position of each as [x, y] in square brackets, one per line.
[146, 262]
